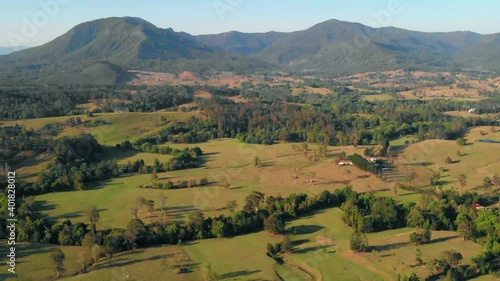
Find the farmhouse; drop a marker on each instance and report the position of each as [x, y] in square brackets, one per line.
[345, 163]
[478, 206]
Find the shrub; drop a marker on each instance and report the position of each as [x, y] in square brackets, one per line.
[358, 242]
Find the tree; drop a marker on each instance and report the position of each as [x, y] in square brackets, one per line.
[58, 257]
[84, 258]
[151, 207]
[462, 179]
[412, 174]
[135, 233]
[413, 277]
[358, 242]
[274, 224]
[436, 266]
[418, 257]
[448, 160]
[218, 228]
[231, 205]
[435, 179]
[140, 201]
[395, 189]
[415, 217]
[311, 174]
[209, 274]
[487, 184]
[496, 180]
[487, 261]
[253, 201]
[134, 211]
[466, 230]
[461, 141]
[421, 236]
[113, 243]
[88, 240]
[154, 174]
[451, 258]
[92, 215]
[196, 220]
[163, 200]
[286, 244]
[96, 252]
[256, 161]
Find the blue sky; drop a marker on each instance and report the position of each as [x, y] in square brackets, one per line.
[31, 23]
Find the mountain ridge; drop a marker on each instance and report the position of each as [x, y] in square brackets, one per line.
[123, 42]
[117, 44]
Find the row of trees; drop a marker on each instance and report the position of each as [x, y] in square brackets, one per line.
[176, 185]
[145, 145]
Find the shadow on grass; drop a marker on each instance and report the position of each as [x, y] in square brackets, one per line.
[240, 273]
[310, 249]
[238, 187]
[68, 215]
[299, 242]
[443, 239]
[43, 205]
[388, 247]
[25, 250]
[113, 153]
[268, 164]
[305, 229]
[179, 211]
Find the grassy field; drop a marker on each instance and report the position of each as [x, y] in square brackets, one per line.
[224, 161]
[321, 252]
[230, 161]
[155, 263]
[478, 160]
[239, 258]
[123, 157]
[393, 252]
[33, 262]
[323, 249]
[123, 126]
[321, 240]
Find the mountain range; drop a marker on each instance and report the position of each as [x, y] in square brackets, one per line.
[102, 51]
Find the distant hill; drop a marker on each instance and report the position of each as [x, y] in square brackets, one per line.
[241, 43]
[8, 50]
[343, 47]
[116, 44]
[102, 51]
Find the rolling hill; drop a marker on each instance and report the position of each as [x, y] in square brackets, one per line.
[108, 47]
[343, 47]
[102, 51]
